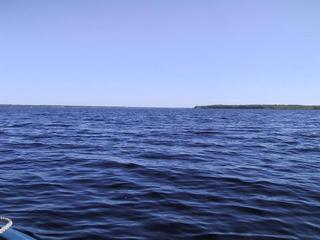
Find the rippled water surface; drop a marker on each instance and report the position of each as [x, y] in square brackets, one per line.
[112, 173]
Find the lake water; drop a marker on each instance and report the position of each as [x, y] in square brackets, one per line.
[138, 174]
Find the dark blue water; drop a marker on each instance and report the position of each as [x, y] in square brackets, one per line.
[112, 173]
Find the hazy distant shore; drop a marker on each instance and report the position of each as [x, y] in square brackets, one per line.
[263, 106]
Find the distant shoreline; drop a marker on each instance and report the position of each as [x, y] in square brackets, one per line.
[217, 106]
[262, 106]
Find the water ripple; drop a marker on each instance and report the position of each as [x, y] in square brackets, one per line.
[112, 173]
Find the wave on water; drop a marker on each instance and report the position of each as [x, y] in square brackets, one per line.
[113, 173]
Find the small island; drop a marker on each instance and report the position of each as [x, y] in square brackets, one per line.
[262, 106]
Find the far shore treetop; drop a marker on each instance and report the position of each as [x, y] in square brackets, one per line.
[262, 106]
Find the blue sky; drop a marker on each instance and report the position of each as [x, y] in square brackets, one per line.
[168, 53]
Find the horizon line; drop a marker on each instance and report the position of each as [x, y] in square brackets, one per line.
[71, 105]
[115, 106]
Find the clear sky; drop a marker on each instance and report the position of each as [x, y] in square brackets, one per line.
[166, 53]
